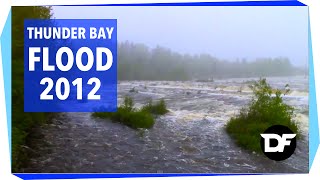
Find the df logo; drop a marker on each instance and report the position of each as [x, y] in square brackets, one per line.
[278, 142]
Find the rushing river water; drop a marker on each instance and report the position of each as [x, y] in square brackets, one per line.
[189, 139]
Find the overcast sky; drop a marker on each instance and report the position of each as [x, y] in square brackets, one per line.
[224, 32]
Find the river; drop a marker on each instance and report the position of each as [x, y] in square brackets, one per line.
[189, 139]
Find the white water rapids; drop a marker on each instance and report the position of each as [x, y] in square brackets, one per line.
[189, 139]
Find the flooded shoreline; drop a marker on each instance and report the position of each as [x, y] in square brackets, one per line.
[189, 139]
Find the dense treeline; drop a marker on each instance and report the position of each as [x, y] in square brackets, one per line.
[23, 123]
[138, 62]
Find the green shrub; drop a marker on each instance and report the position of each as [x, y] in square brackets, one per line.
[128, 103]
[128, 115]
[23, 124]
[159, 108]
[264, 110]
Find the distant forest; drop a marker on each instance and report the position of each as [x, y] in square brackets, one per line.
[139, 62]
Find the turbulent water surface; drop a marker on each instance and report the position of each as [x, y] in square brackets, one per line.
[189, 139]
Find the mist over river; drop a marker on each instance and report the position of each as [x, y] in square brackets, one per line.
[189, 139]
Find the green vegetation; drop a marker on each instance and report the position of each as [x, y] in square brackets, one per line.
[23, 124]
[158, 108]
[265, 109]
[132, 117]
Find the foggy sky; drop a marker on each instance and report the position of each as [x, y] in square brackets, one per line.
[224, 32]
